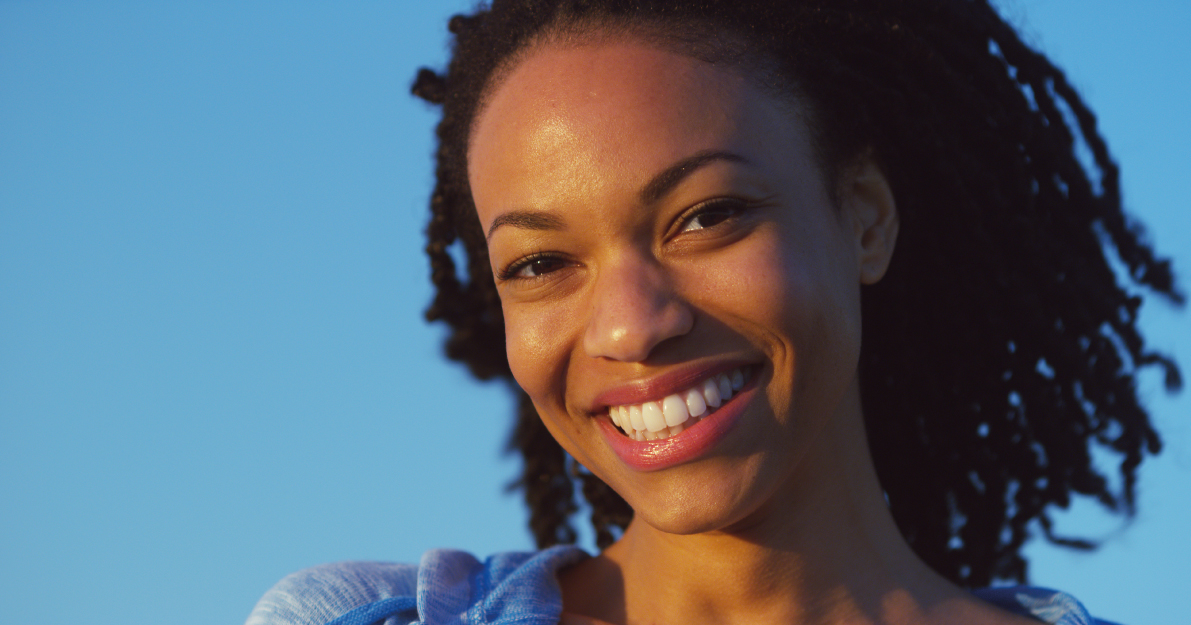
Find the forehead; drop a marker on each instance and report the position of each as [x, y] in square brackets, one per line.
[605, 83]
[564, 111]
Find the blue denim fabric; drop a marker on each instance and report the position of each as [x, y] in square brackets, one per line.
[1048, 606]
[447, 587]
[453, 587]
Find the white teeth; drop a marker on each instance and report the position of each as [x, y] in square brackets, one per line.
[673, 430]
[617, 413]
[711, 393]
[635, 418]
[695, 404]
[655, 420]
[674, 410]
[651, 413]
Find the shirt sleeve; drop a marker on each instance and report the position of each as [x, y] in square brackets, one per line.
[317, 595]
[1042, 604]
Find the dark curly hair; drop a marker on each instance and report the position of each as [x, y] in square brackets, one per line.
[1002, 345]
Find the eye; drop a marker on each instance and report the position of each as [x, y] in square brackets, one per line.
[711, 213]
[533, 266]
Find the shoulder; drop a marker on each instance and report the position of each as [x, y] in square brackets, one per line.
[446, 586]
[1043, 604]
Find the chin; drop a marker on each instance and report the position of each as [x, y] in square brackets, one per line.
[696, 506]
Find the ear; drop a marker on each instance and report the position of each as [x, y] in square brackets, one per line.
[868, 203]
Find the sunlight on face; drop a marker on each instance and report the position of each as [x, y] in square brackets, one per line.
[654, 222]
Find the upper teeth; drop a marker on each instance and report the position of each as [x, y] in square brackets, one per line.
[670, 415]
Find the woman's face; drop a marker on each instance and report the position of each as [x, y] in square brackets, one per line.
[658, 226]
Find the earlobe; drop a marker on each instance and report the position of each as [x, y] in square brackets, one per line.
[870, 205]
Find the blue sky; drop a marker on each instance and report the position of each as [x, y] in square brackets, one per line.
[213, 369]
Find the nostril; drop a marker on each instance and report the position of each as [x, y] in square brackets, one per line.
[631, 333]
[633, 309]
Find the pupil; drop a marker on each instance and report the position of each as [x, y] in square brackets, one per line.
[543, 265]
[714, 215]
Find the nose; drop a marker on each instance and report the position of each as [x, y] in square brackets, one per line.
[634, 308]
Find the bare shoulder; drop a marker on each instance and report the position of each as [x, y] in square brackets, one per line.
[592, 589]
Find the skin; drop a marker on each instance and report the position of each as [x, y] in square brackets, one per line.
[743, 259]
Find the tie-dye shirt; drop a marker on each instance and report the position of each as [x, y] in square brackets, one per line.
[454, 587]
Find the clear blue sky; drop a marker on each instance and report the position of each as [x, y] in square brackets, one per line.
[213, 369]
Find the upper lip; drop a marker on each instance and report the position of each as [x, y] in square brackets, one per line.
[656, 387]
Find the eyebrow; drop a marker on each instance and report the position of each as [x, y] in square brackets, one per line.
[526, 219]
[664, 182]
[658, 187]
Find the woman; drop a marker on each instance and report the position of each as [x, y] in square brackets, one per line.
[812, 297]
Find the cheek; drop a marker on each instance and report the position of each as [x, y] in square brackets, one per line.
[535, 339]
[796, 296]
[820, 311]
[767, 284]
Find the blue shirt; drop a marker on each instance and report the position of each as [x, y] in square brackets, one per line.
[454, 587]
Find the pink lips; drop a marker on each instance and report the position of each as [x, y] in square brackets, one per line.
[688, 444]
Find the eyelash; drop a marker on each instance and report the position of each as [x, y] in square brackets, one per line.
[733, 205]
[512, 269]
[726, 204]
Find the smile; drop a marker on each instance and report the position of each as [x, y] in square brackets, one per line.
[669, 416]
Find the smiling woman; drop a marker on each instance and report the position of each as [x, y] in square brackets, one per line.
[812, 297]
[687, 245]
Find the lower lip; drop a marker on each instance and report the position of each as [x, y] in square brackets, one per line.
[688, 445]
